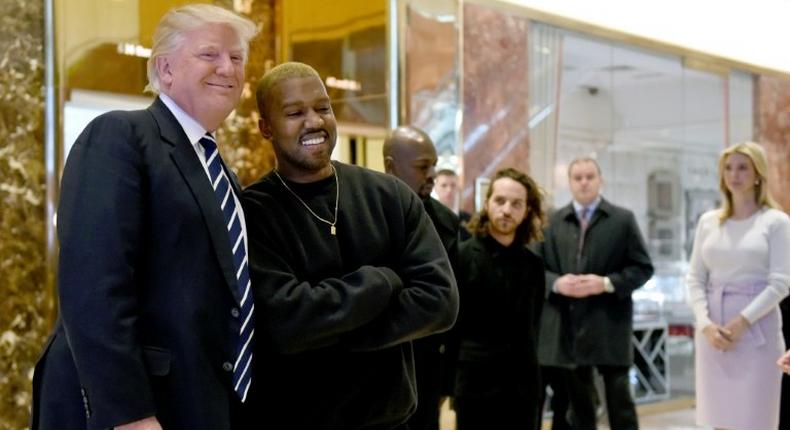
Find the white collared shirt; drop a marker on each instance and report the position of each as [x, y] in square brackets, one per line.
[195, 132]
[608, 287]
[578, 207]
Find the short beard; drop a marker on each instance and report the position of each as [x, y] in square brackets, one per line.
[311, 164]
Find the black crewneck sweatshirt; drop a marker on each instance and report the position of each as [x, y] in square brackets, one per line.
[336, 313]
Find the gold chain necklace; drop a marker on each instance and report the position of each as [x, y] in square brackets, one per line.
[331, 224]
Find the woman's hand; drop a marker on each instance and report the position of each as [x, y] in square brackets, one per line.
[718, 336]
[784, 362]
[737, 327]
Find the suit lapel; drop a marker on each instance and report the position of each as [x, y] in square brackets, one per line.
[187, 162]
[568, 239]
[436, 217]
[601, 211]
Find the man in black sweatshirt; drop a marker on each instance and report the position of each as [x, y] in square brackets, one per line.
[409, 154]
[347, 270]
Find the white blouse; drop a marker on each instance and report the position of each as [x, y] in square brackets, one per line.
[751, 251]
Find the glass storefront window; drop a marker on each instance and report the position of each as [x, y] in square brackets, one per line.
[656, 124]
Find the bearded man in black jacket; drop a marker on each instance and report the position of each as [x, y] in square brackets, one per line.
[502, 285]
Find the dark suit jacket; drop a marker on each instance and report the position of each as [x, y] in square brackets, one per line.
[597, 329]
[434, 356]
[145, 284]
[447, 225]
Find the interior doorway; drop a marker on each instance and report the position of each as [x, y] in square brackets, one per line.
[361, 146]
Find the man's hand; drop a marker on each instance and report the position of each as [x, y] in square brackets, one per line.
[784, 362]
[718, 336]
[150, 423]
[567, 285]
[591, 285]
[579, 286]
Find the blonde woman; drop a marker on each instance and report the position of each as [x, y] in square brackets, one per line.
[738, 274]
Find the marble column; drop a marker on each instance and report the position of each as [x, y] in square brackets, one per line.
[25, 304]
[773, 120]
[495, 87]
[243, 147]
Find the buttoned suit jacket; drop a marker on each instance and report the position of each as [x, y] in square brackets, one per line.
[594, 330]
[146, 284]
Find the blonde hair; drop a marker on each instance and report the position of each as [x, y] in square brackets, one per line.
[277, 74]
[172, 28]
[756, 155]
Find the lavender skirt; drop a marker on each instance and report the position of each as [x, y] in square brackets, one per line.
[739, 389]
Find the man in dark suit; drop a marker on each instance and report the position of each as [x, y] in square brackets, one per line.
[447, 191]
[154, 327]
[595, 258]
[410, 155]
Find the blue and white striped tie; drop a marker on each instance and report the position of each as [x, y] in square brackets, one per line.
[242, 368]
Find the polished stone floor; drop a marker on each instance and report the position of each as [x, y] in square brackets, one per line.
[671, 415]
[675, 420]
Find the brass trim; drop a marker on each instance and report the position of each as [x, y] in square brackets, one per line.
[394, 76]
[53, 144]
[459, 126]
[402, 92]
[365, 130]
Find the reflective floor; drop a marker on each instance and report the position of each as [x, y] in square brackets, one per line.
[675, 414]
[675, 420]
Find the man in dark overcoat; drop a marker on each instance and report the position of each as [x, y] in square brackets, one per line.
[595, 257]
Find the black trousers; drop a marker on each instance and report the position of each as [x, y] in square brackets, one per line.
[784, 410]
[619, 403]
[557, 379]
[503, 410]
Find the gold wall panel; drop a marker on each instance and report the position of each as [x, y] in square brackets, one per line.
[338, 19]
[348, 42]
[152, 11]
[243, 148]
[25, 306]
[90, 61]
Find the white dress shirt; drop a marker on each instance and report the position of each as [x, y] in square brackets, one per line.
[195, 132]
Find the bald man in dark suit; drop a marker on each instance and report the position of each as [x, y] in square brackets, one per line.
[410, 155]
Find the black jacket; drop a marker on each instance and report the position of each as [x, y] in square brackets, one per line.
[502, 297]
[592, 330]
[434, 356]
